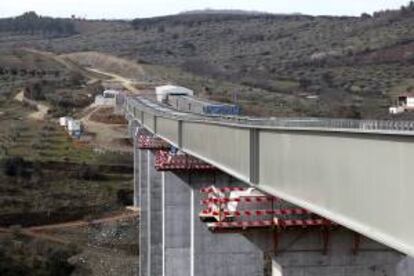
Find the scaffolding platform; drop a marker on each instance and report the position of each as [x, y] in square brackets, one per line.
[152, 143]
[167, 161]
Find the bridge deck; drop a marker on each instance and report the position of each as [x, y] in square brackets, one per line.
[356, 173]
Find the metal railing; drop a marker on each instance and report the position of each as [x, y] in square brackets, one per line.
[305, 123]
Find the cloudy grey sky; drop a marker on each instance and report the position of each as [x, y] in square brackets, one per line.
[147, 8]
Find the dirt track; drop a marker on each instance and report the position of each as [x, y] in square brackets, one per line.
[80, 223]
[125, 82]
[42, 109]
[37, 231]
[68, 64]
[106, 134]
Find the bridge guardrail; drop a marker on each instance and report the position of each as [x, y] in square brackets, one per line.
[306, 123]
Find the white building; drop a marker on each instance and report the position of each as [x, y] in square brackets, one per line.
[405, 102]
[162, 92]
[396, 109]
[63, 121]
[110, 94]
[107, 98]
[74, 127]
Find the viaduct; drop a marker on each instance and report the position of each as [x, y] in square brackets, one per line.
[332, 197]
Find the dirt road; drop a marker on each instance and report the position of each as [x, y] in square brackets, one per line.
[42, 109]
[106, 136]
[80, 223]
[37, 231]
[128, 84]
[69, 64]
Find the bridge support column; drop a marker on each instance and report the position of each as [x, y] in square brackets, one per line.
[155, 229]
[144, 253]
[133, 130]
[136, 172]
[406, 267]
[216, 254]
[190, 249]
[301, 252]
[177, 220]
[151, 223]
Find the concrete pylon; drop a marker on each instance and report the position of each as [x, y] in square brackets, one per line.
[155, 207]
[134, 129]
[144, 252]
[218, 254]
[189, 247]
[177, 222]
[136, 202]
[406, 267]
[173, 240]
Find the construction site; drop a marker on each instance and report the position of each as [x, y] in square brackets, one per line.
[207, 143]
[196, 202]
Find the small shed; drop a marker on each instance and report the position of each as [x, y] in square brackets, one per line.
[74, 128]
[107, 98]
[162, 92]
[63, 121]
[110, 94]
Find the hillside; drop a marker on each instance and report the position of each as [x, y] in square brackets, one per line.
[314, 66]
[222, 11]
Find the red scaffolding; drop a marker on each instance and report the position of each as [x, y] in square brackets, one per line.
[269, 214]
[152, 143]
[237, 209]
[167, 161]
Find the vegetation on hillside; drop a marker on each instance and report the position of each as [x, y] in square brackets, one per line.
[31, 23]
[313, 66]
[20, 256]
[334, 66]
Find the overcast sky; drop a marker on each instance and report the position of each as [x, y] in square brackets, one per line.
[127, 9]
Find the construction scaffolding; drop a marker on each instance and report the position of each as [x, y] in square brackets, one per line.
[152, 143]
[169, 161]
[242, 208]
[238, 209]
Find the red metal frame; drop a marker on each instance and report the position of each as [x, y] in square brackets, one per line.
[277, 223]
[247, 199]
[152, 143]
[223, 190]
[278, 219]
[249, 213]
[165, 161]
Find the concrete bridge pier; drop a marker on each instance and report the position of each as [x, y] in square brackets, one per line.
[134, 129]
[189, 247]
[156, 224]
[177, 220]
[406, 267]
[151, 215]
[303, 252]
[144, 252]
[173, 239]
[137, 161]
[218, 254]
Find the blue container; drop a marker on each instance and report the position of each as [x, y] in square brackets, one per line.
[221, 109]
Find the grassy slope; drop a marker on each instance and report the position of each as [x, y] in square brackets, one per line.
[41, 142]
[46, 195]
